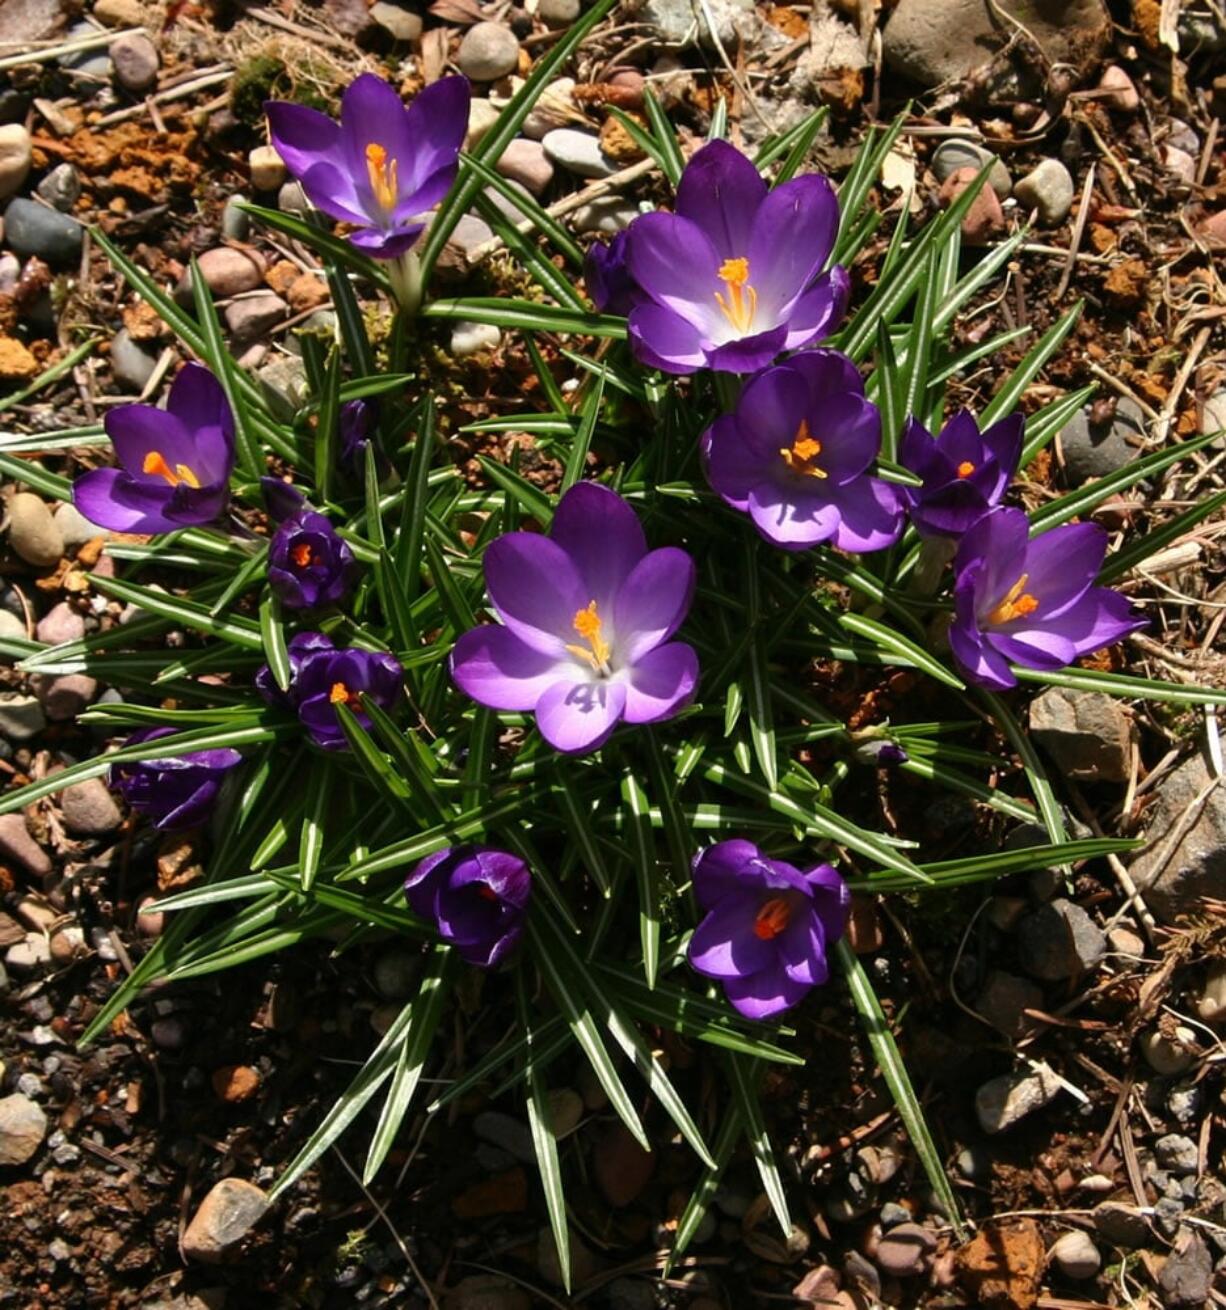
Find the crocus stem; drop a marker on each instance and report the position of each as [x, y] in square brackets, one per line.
[934, 554]
[405, 274]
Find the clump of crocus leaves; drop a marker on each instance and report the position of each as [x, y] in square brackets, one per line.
[573, 745]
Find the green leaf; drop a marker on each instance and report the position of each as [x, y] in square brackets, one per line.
[1122, 684]
[272, 632]
[761, 724]
[1008, 397]
[235, 630]
[672, 160]
[530, 499]
[894, 1070]
[987, 868]
[576, 461]
[314, 822]
[708, 1184]
[578, 814]
[334, 249]
[643, 852]
[542, 221]
[1040, 785]
[743, 1075]
[510, 313]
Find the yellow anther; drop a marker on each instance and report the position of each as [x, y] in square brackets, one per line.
[341, 695]
[772, 918]
[965, 469]
[1016, 605]
[587, 624]
[302, 555]
[382, 174]
[155, 462]
[742, 300]
[799, 456]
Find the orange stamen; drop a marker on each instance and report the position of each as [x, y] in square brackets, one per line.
[340, 694]
[382, 174]
[965, 469]
[155, 462]
[741, 302]
[302, 555]
[1016, 604]
[587, 624]
[772, 918]
[799, 456]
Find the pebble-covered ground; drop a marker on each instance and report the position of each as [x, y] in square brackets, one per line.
[1065, 1036]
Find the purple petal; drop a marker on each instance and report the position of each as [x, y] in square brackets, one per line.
[1099, 618]
[310, 144]
[661, 683]
[765, 994]
[727, 868]
[603, 537]
[1004, 439]
[507, 874]
[721, 191]
[849, 429]
[1062, 564]
[793, 234]
[112, 500]
[948, 510]
[733, 466]
[434, 127]
[793, 517]
[820, 310]
[536, 589]
[978, 659]
[653, 601]
[1039, 649]
[386, 243]
[801, 948]
[138, 430]
[827, 373]
[748, 354]
[664, 340]
[870, 515]
[919, 452]
[372, 113]
[575, 717]
[724, 944]
[491, 665]
[675, 263]
[770, 410]
[831, 900]
[998, 542]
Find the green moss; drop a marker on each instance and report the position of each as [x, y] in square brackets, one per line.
[266, 77]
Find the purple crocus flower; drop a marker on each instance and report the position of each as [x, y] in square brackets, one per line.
[300, 647]
[965, 472]
[477, 896]
[174, 464]
[1031, 601]
[587, 614]
[794, 456]
[382, 166]
[607, 277]
[308, 563]
[281, 499]
[356, 424]
[767, 928]
[734, 277]
[176, 792]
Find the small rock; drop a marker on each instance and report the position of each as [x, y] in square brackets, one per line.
[395, 973]
[131, 364]
[1003, 1000]
[29, 954]
[471, 338]
[975, 1163]
[482, 115]
[610, 214]
[1186, 1279]
[291, 199]
[565, 1111]
[226, 1215]
[284, 384]
[1002, 1266]
[33, 229]
[1122, 1225]
[511, 1134]
[227, 272]
[170, 1034]
[32, 531]
[17, 363]
[136, 61]
[235, 1082]
[679, 25]
[1120, 91]
[21, 717]
[399, 23]
[1059, 941]
[1177, 1154]
[905, 1250]
[1048, 189]
[953, 155]
[558, 13]
[621, 1166]
[1210, 1001]
[15, 156]
[61, 187]
[1095, 450]
[268, 171]
[89, 809]
[1180, 163]
[12, 627]
[1213, 416]
[1076, 1256]
[525, 162]
[23, 1125]
[235, 221]
[66, 695]
[67, 944]
[1177, 880]
[18, 847]
[94, 64]
[985, 218]
[250, 318]
[489, 51]
[120, 13]
[74, 527]
[1169, 1055]
[486, 1292]
[506, 204]
[60, 623]
[1086, 733]
[555, 107]
[578, 152]
[1123, 941]
[1006, 1100]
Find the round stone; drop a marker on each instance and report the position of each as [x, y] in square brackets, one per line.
[399, 23]
[15, 153]
[23, 1125]
[953, 155]
[489, 51]
[268, 171]
[1048, 189]
[558, 13]
[1169, 1056]
[905, 1250]
[578, 152]
[136, 61]
[1076, 1256]
[33, 229]
[472, 338]
[32, 531]
[131, 364]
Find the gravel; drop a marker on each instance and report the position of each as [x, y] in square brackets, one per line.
[15, 154]
[61, 187]
[904, 1252]
[578, 152]
[89, 809]
[1048, 189]
[33, 229]
[226, 1215]
[32, 531]
[136, 61]
[1005, 1101]
[1169, 1055]
[131, 364]
[489, 51]
[1059, 942]
[1076, 1256]
[23, 1125]
[953, 155]
[21, 717]
[1177, 1154]
[1095, 450]
[1086, 733]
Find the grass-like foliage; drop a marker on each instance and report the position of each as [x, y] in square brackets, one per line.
[308, 842]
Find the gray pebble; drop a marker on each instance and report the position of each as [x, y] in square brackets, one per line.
[21, 717]
[136, 61]
[489, 51]
[892, 1215]
[1076, 1256]
[1121, 1224]
[1095, 451]
[472, 338]
[29, 954]
[15, 157]
[1169, 1056]
[605, 214]
[95, 64]
[11, 627]
[235, 221]
[89, 809]
[250, 318]
[291, 199]
[973, 1163]
[905, 1250]
[1186, 1280]
[131, 364]
[74, 527]
[1005, 1101]
[1048, 189]
[61, 187]
[525, 162]
[558, 13]
[952, 155]
[1059, 942]
[283, 382]
[578, 152]
[1177, 1153]
[32, 531]
[399, 23]
[33, 229]
[23, 1125]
